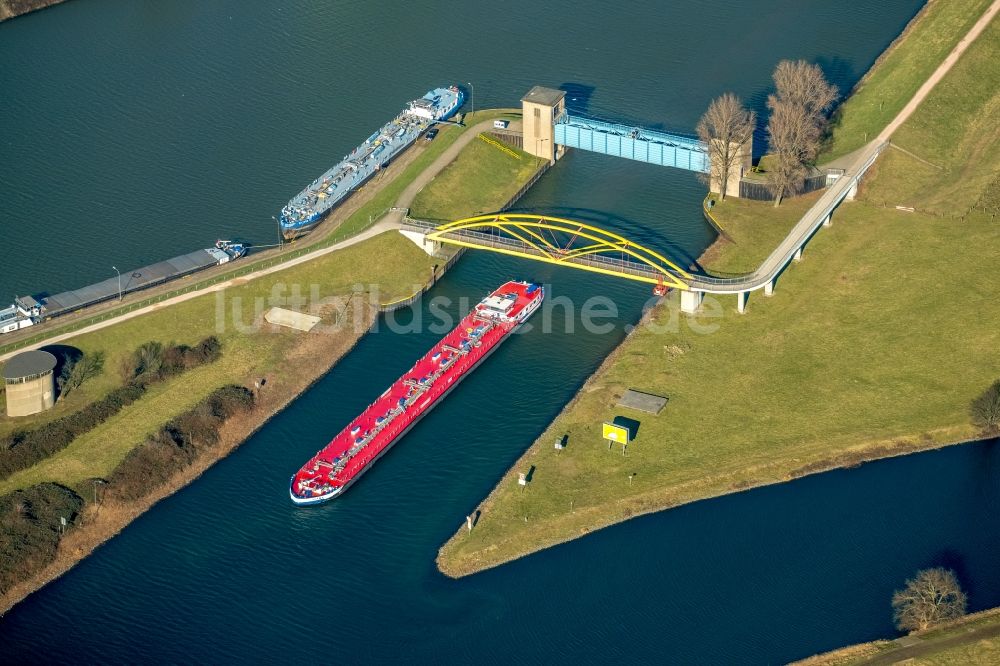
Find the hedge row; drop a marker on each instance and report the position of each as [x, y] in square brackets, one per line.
[24, 448]
[177, 444]
[150, 363]
[30, 529]
[30, 518]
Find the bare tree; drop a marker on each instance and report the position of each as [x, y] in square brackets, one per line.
[726, 128]
[77, 371]
[804, 85]
[985, 410]
[796, 124]
[790, 140]
[932, 597]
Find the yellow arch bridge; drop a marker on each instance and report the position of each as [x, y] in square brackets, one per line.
[556, 240]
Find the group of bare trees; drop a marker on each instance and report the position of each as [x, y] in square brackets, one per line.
[796, 123]
[795, 128]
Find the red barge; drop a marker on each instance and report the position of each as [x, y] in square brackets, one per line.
[356, 448]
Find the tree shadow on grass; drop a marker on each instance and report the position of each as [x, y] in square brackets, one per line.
[65, 355]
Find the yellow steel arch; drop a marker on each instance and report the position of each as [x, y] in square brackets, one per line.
[528, 228]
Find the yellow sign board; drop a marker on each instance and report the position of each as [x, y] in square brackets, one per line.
[615, 433]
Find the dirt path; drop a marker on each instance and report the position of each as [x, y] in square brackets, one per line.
[924, 648]
[942, 69]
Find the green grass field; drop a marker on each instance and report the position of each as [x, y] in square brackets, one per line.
[752, 233]
[391, 264]
[955, 146]
[480, 180]
[873, 345]
[896, 77]
[971, 641]
[857, 349]
[389, 261]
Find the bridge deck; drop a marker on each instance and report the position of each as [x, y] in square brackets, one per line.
[486, 240]
[662, 270]
[634, 143]
[800, 233]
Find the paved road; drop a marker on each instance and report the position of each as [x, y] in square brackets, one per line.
[799, 234]
[863, 158]
[407, 196]
[374, 230]
[388, 223]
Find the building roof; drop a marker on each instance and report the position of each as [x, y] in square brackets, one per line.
[543, 95]
[29, 363]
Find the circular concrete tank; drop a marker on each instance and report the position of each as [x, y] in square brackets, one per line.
[30, 383]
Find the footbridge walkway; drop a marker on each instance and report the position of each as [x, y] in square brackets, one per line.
[552, 240]
[587, 247]
[790, 248]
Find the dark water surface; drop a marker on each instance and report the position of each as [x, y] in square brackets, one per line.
[139, 130]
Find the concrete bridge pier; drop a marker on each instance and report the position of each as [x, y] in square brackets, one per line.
[853, 192]
[741, 301]
[798, 255]
[691, 301]
[769, 288]
[419, 239]
[827, 221]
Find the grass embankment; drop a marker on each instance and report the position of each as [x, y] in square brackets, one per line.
[971, 641]
[948, 163]
[359, 211]
[900, 71]
[482, 179]
[389, 260]
[873, 345]
[750, 236]
[288, 360]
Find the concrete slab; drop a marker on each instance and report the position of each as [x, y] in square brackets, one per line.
[644, 402]
[291, 319]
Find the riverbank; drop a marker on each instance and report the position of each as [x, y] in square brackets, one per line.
[899, 72]
[842, 366]
[974, 639]
[286, 362]
[346, 288]
[12, 8]
[371, 202]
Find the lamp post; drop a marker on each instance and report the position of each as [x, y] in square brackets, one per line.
[119, 282]
[96, 482]
[473, 88]
[281, 239]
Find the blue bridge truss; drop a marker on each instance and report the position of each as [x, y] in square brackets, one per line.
[634, 143]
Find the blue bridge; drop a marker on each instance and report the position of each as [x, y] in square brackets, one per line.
[634, 143]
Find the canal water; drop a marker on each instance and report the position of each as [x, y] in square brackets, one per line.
[139, 130]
